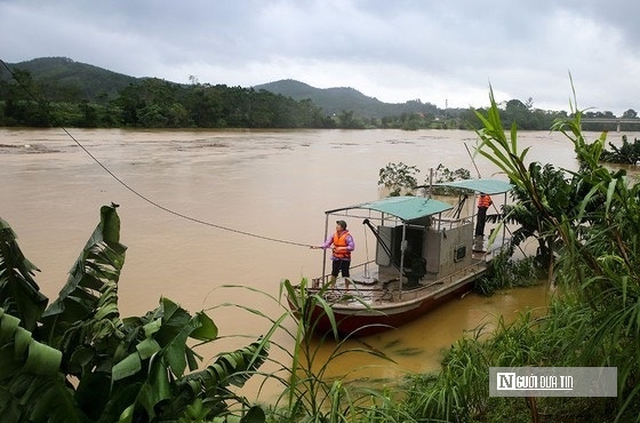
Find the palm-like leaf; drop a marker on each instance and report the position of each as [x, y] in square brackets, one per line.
[20, 295]
[92, 285]
[32, 388]
[210, 385]
[128, 370]
[150, 382]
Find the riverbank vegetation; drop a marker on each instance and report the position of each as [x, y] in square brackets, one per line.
[594, 322]
[78, 360]
[586, 223]
[52, 92]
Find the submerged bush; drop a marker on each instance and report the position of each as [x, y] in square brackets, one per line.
[627, 153]
[505, 272]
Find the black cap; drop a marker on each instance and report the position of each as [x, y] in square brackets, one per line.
[342, 223]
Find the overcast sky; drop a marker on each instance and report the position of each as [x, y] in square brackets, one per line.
[445, 52]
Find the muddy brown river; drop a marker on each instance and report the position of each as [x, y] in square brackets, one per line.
[261, 197]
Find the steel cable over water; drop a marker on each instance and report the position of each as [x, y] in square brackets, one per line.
[139, 194]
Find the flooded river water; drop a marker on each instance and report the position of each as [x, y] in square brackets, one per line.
[261, 193]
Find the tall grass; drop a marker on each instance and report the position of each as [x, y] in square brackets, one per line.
[594, 320]
[309, 393]
[460, 392]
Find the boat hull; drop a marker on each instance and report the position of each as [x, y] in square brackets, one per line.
[355, 320]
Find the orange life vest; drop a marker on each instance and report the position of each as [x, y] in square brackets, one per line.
[484, 201]
[340, 240]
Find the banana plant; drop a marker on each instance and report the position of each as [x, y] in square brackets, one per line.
[79, 361]
[20, 295]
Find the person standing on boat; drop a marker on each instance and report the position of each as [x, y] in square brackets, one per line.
[342, 245]
[484, 202]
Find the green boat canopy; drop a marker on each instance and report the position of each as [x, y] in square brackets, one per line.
[488, 186]
[410, 208]
[407, 208]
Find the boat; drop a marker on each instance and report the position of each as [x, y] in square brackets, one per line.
[425, 255]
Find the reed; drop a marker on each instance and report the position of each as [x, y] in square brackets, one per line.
[593, 319]
[309, 394]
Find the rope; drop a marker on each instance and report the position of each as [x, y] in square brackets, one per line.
[137, 193]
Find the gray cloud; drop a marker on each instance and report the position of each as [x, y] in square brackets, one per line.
[396, 51]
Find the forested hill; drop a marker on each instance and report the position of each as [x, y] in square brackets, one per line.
[62, 76]
[76, 94]
[336, 100]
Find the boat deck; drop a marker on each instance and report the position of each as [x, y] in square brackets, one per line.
[366, 290]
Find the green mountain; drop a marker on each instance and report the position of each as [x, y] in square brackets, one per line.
[63, 78]
[336, 100]
[60, 74]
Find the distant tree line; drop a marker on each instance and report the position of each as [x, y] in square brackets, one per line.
[156, 103]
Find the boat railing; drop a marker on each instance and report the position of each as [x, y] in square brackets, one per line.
[465, 272]
[370, 283]
[451, 222]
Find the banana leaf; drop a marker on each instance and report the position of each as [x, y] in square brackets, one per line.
[84, 321]
[95, 272]
[33, 387]
[19, 293]
[131, 369]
